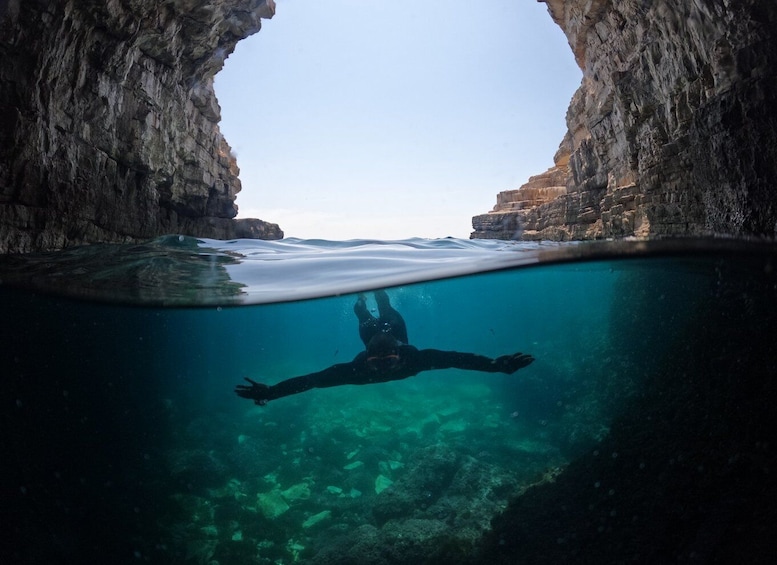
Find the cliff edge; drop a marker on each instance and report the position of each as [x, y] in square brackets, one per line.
[109, 122]
[673, 130]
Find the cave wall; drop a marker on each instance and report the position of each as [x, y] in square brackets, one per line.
[673, 130]
[109, 122]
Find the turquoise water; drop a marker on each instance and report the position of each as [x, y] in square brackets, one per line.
[642, 432]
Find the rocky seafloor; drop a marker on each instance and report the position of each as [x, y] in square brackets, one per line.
[358, 474]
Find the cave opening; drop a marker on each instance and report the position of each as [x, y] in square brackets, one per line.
[349, 120]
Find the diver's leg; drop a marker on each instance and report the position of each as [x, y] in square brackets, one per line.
[390, 320]
[368, 324]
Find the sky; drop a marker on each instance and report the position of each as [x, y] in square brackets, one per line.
[366, 119]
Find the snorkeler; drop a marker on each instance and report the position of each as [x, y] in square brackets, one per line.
[387, 357]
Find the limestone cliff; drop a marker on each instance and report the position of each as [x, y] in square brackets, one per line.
[673, 130]
[109, 122]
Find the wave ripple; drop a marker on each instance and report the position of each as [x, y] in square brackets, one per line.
[177, 270]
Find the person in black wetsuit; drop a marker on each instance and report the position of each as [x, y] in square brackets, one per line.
[387, 357]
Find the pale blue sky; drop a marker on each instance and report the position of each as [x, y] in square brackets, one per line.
[372, 119]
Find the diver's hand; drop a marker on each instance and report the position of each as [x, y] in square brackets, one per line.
[257, 392]
[511, 363]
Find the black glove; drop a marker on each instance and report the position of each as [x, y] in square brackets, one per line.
[511, 363]
[257, 392]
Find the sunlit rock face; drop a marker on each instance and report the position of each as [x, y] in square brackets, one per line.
[673, 130]
[109, 122]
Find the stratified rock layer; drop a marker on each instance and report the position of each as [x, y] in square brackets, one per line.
[673, 130]
[109, 122]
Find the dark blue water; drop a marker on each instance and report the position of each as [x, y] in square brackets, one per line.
[642, 432]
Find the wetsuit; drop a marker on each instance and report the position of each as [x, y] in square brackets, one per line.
[388, 357]
[390, 321]
[360, 371]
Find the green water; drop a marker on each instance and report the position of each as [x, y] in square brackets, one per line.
[123, 437]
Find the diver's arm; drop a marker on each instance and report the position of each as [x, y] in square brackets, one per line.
[342, 373]
[428, 359]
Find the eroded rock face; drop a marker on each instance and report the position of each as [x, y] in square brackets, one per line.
[673, 130]
[109, 122]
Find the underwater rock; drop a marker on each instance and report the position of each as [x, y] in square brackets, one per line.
[197, 469]
[232, 489]
[372, 455]
[409, 541]
[388, 467]
[352, 466]
[271, 504]
[359, 547]
[393, 503]
[296, 492]
[382, 483]
[454, 426]
[686, 473]
[200, 551]
[413, 529]
[431, 471]
[316, 518]
[295, 548]
[480, 480]
[252, 457]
